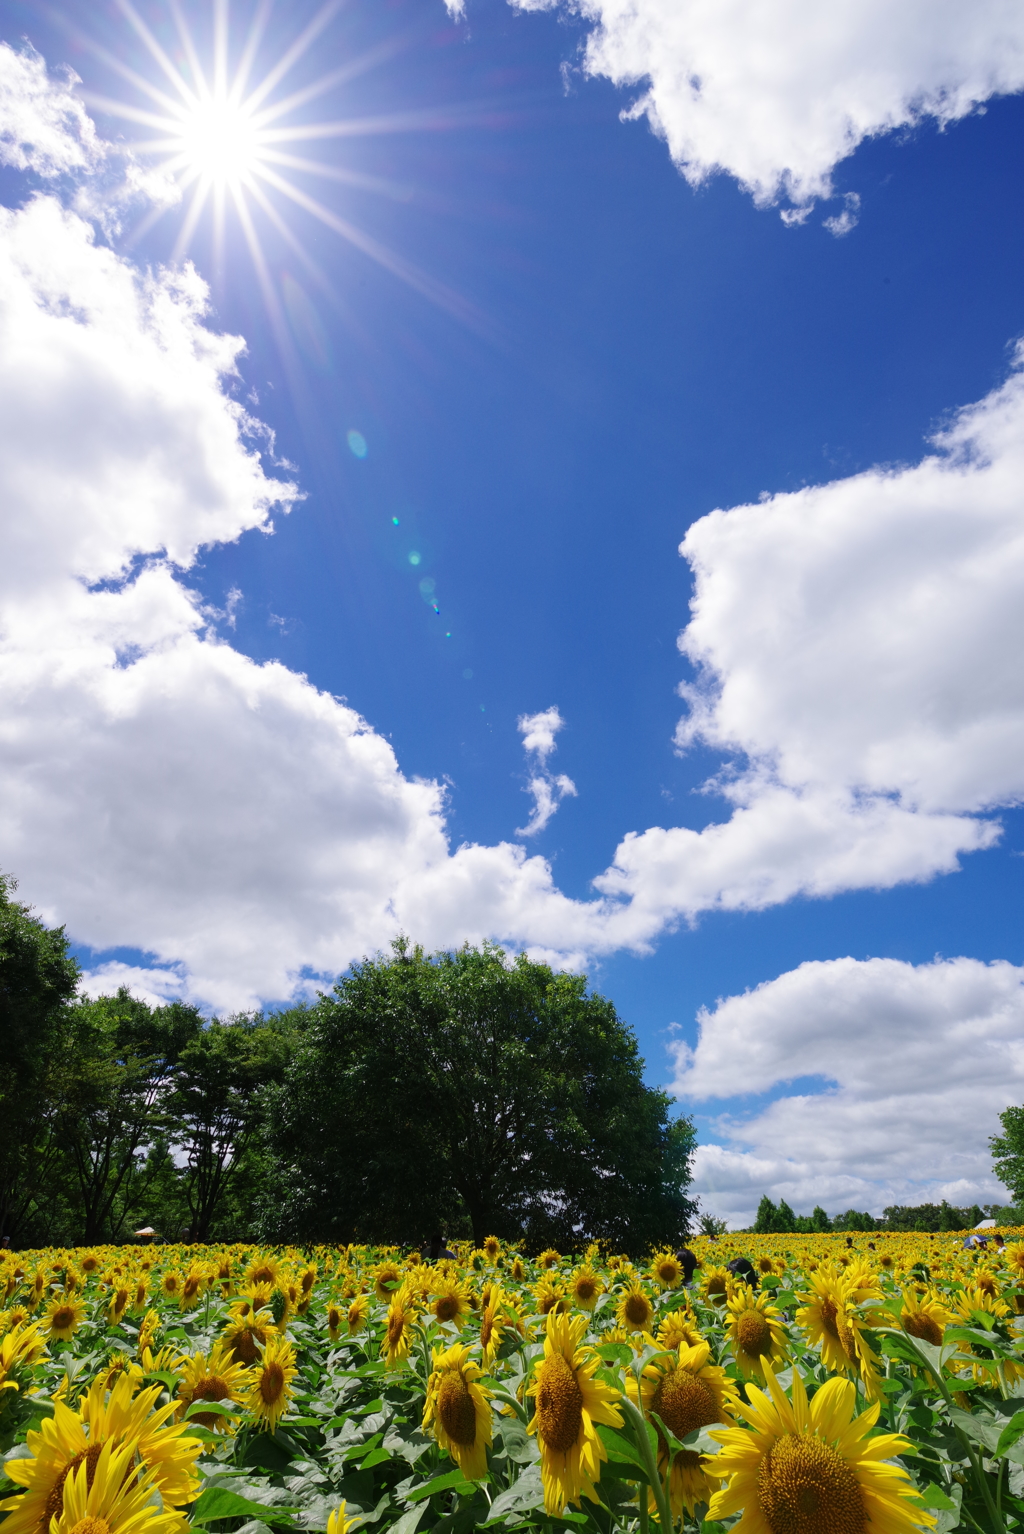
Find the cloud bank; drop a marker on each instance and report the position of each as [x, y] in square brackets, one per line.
[852, 648]
[917, 1063]
[777, 95]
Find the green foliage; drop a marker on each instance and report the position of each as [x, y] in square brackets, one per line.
[38, 978]
[457, 1092]
[1008, 1152]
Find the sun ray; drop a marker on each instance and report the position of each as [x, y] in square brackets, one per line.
[341, 76]
[188, 45]
[127, 9]
[425, 120]
[188, 227]
[217, 122]
[256, 30]
[291, 56]
[220, 49]
[429, 287]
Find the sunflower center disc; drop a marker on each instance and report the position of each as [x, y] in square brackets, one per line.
[456, 1409]
[91, 1526]
[923, 1326]
[211, 1388]
[685, 1402]
[753, 1334]
[447, 1308]
[62, 1318]
[272, 1383]
[636, 1310]
[55, 1501]
[804, 1487]
[559, 1404]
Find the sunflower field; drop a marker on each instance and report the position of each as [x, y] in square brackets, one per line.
[872, 1388]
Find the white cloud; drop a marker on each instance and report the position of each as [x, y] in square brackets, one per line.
[777, 94]
[856, 647]
[548, 789]
[917, 1063]
[43, 125]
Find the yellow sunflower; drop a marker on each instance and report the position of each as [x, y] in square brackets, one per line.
[715, 1286]
[458, 1410]
[22, 1345]
[549, 1259]
[925, 1316]
[832, 1320]
[518, 1269]
[803, 1469]
[339, 1523]
[103, 1496]
[634, 1312]
[450, 1300]
[120, 1295]
[357, 1313]
[64, 1315]
[272, 1376]
[686, 1392]
[215, 1378]
[585, 1287]
[263, 1270]
[387, 1277]
[170, 1284]
[569, 1403]
[756, 1332]
[548, 1296]
[492, 1324]
[399, 1323]
[147, 1331]
[335, 1320]
[677, 1327]
[666, 1270]
[71, 1438]
[492, 1246]
[245, 1335]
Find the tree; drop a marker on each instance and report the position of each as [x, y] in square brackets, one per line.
[766, 1217]
[114, 1095]
[215, 1105]
[1008, 1152]
[38, 978]
[459, 1091]
[786, 1220]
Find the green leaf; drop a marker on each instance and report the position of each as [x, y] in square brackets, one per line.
[215, 1408]
[979, 1428]
[217, 1502]
[617, 1447]
[525, 1494]
[454, 1480]
[934, 1496]
[1013, 1430]
[408, 1521]
[375, 1457]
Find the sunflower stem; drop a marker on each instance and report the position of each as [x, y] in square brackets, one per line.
[639, 1423]
[978, 1469]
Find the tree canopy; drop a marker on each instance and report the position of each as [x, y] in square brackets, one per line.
[459, 1091]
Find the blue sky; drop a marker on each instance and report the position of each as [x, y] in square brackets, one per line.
[580, 356]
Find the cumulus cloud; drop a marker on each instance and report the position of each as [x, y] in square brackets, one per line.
[548, 789]
[854, 649]
[43, 125]
[777, 94]
[158, 789]
[916, 1064]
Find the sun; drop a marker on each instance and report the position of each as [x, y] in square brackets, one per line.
[219, 143]
[229, 139]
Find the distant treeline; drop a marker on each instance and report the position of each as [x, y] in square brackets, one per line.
[453, 1094]
[780, 1219]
